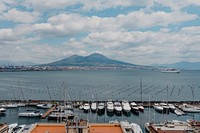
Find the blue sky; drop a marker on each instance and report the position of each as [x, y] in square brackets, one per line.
[135, 31]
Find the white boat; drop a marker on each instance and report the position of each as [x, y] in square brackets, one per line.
[21, 104]
[27, 128]
[126, 125]
[2, 110]
[178, 112]
[134, 108]
[101, 108]
[11, 126]
[190, 108]
[126, 106]
[18, 129]
[118, 107]
[30, 113]
[158, 108]
[94, 107]
[67, 114]
[86, 107]
[136, 128]
[172, 107]
[110, 106]
[170, 70]
[141, 108]
[11, 105]
[165, 107]
[44, 106]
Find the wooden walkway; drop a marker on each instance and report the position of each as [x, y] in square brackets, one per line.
[48, 112]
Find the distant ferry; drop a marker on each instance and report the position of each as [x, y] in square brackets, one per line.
[170, 70]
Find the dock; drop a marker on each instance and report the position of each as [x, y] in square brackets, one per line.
[48, 112]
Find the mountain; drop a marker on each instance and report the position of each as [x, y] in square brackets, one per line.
[91, 60]
[183, 65]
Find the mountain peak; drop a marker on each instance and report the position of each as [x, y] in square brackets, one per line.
[96, 55]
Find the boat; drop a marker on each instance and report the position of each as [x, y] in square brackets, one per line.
[194, 123]
[27, 128]
[118, 108]
[2, 110]
[179, 112]
[146, 125]
[170, 70]
[94, 107]
[11, 105]
[11, 126]
[18, 129]
[110, 107]
[67, 114]
[21, 104]
[172, 107]
[86, 107]
[136, 128]
[165, 107]
[190, 108]
[44, 106]
[141, 108]
[134, 108]
[158, 108]
[126, 125]
[30, 113]
[101, 108]
[126, 106]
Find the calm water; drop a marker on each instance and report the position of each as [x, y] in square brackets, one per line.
[100, 85]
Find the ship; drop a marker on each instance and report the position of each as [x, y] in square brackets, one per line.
[170, 70]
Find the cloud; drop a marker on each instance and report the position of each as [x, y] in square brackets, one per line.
[19, 16]
[72, 24]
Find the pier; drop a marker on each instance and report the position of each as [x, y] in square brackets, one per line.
[48, 112]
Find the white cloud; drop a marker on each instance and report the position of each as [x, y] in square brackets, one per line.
[72, 24]
[19, 16]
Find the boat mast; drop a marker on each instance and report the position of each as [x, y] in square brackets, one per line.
[21, 91]
[13, 92]
[49, 93]
[141, 88]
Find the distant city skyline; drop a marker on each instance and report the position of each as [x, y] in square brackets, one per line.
[134, 31]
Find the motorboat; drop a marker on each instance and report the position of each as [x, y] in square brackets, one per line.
[30, 113]
[179, 112]
[172, 107]
[21, 104]
[101, 108]
[94, 107]
[158, 108]
[11, 105]
[11, 127]
[118, 108]
[44, 106]
[18, 129]
[165, 107]
[134, 108]
[125, 106]
[86, 107]
[110, 107]
[126, 125]
[2, 110]
[27, 128]
[141, 108]
[67, 114]
[190, 108]
[136, 128]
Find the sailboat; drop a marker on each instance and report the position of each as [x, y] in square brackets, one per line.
[141, 107]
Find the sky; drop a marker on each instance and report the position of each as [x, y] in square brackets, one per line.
[136, 31]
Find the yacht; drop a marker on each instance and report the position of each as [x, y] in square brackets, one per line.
[118, 108]
[11, 105]
[178, 112]
[190, 108]
[44, 106]
[141, 108]
[11, 127]
[18, 129]
[86, 107]
[67, 114]
[172, 107]
[125, 106]
[170, 70]
[101, 108]
[158, 108]
[21, 104]
[94, 107]
[134, 108]
[2, 110]
[30, 113]
[165, 107]
[136, 128]
[110, 106]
